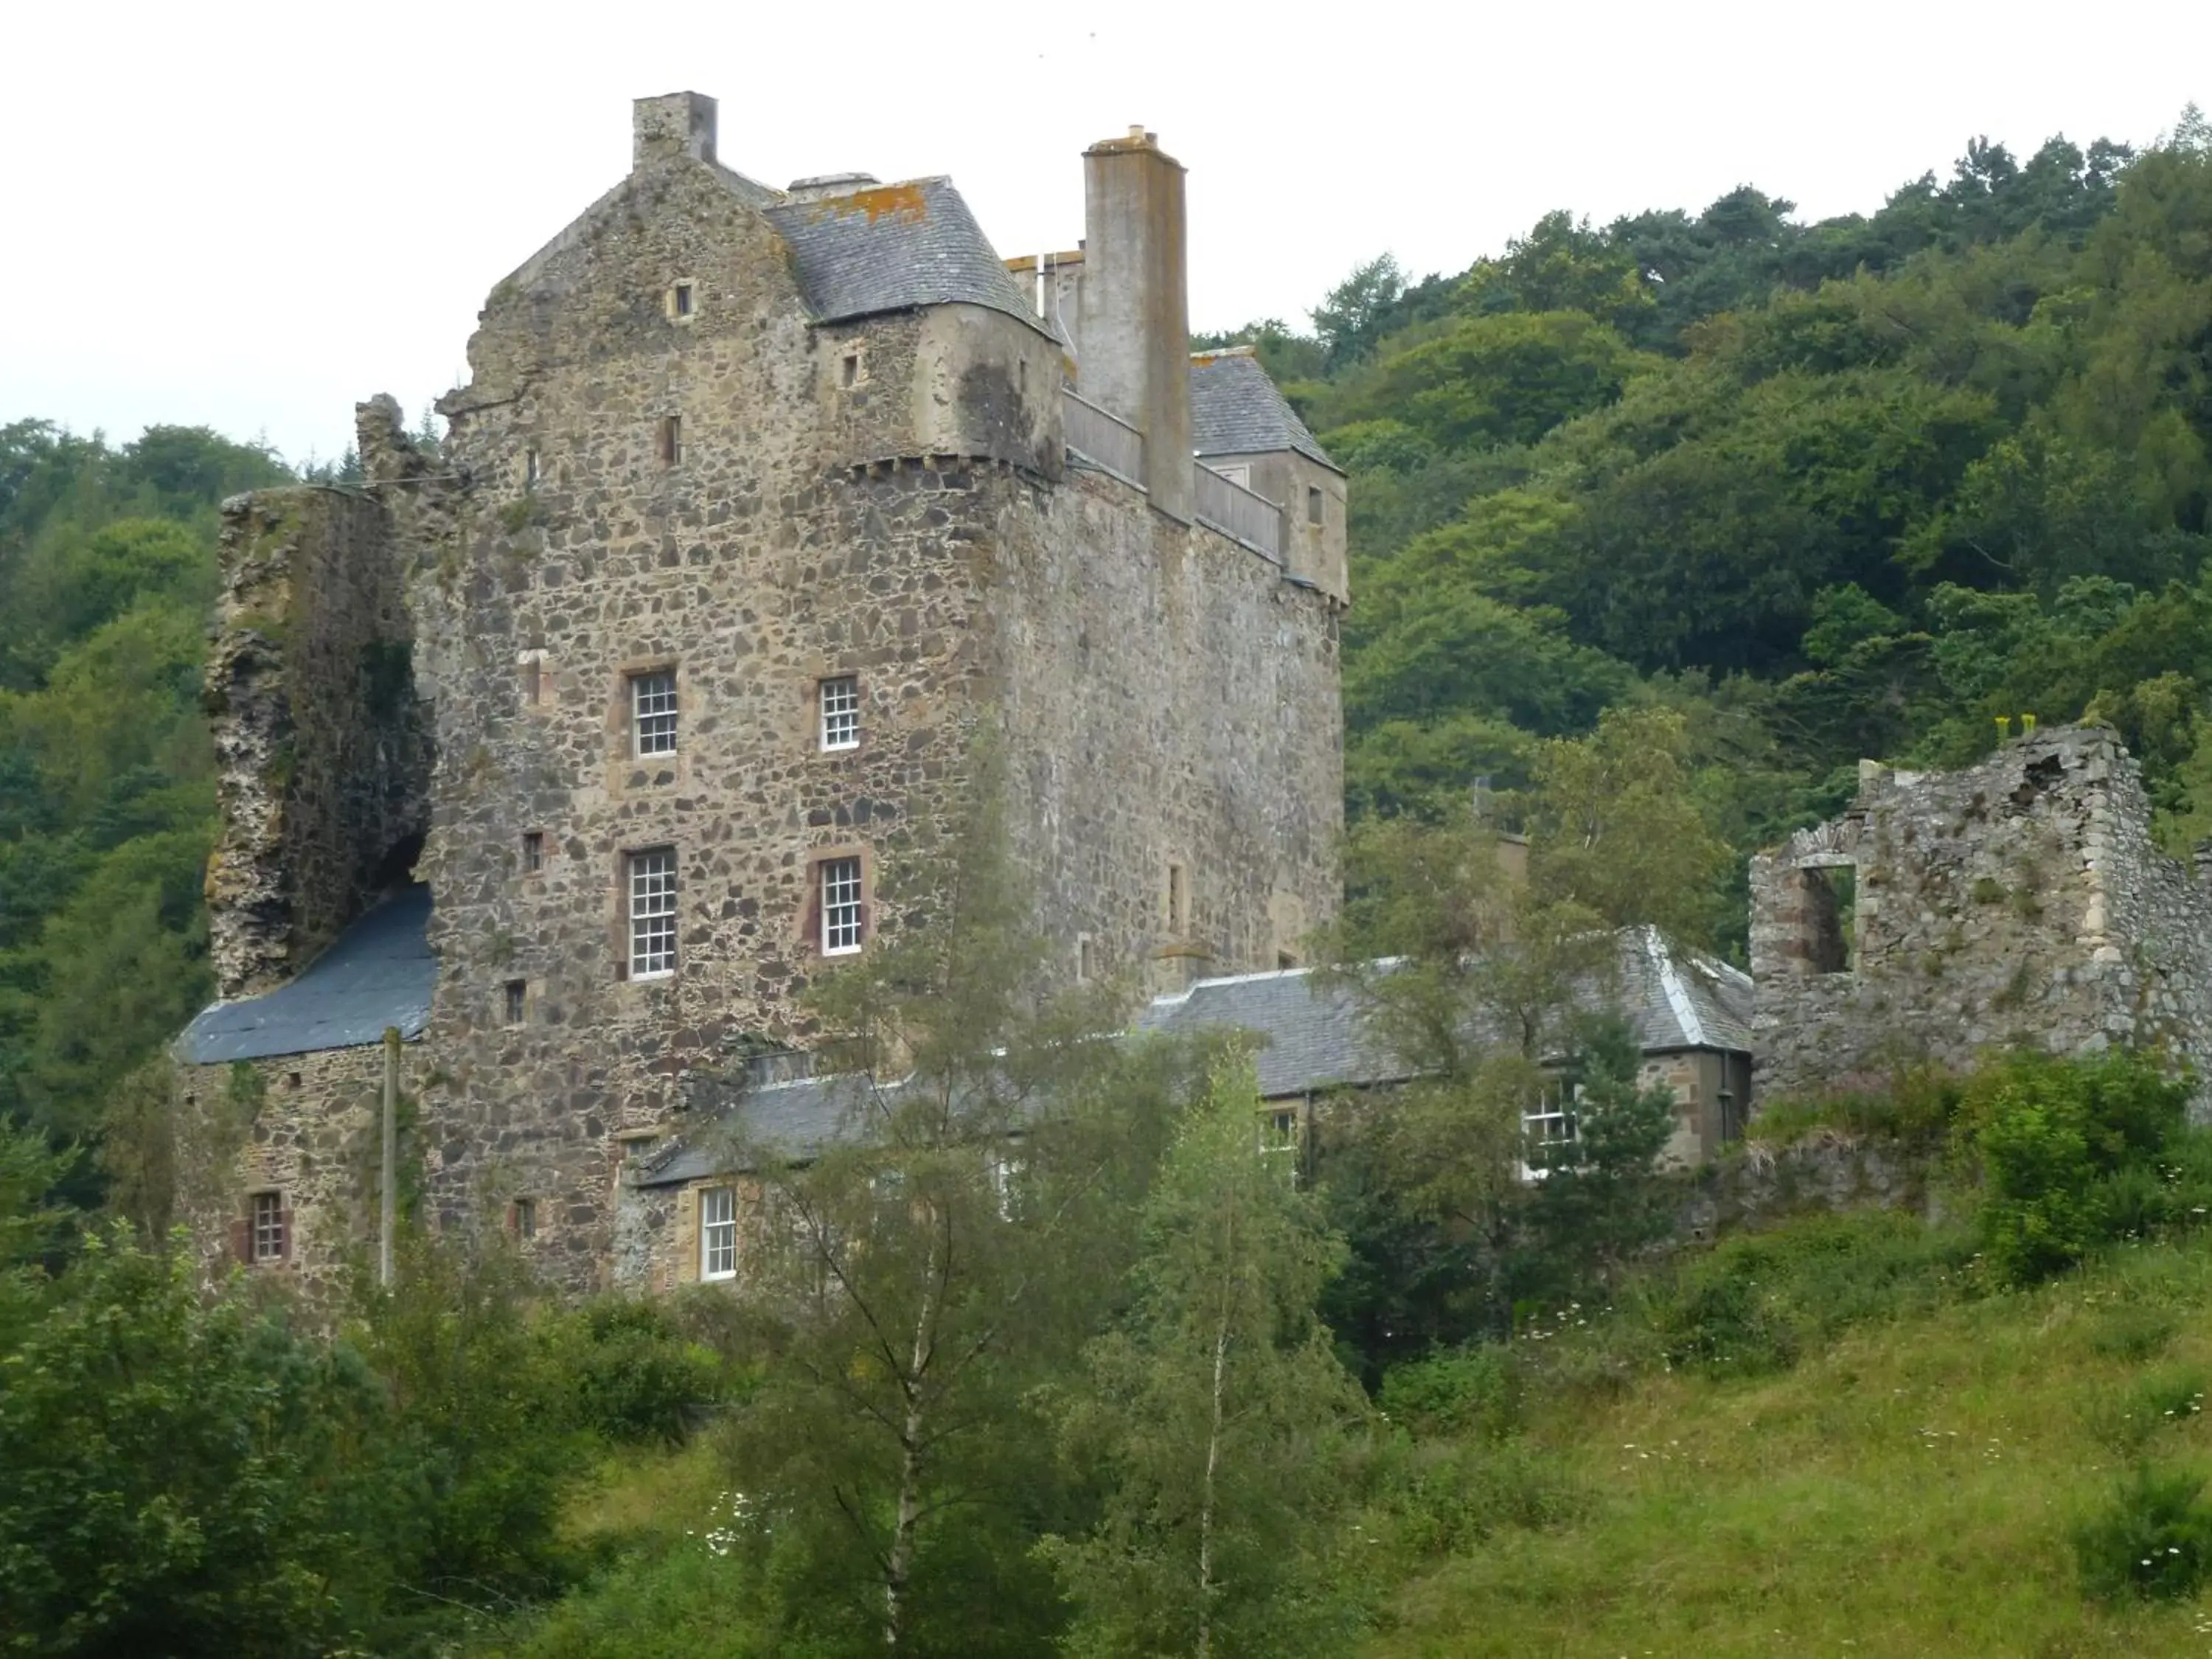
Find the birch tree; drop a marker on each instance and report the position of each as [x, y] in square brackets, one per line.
[1216, 1418]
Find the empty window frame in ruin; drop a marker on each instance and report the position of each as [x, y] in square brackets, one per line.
[1827, 918]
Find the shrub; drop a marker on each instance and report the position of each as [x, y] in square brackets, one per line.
[2068, 1155]
[1452, 1495]
[1475, 1390]
[637, 1378]
[2153, 1540]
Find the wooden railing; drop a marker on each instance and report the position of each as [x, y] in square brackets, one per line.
[1228, 506]
[1106, 439]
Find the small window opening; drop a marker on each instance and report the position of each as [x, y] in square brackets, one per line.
[671, 440]
[1022, 375]
[533, 852]
[533, 681]
[1177, 899]
[292, 1081]
[652, 895]
[1278, 1131]
[1086, 959]
[517, 994]
[849, 371]
[683, 299]
[718, 1232]
[268, 1235]
[524, 1218]
[841, 713]
[530, 469]
[653, 713]
[1828, 918]
[1315, 510]
[842, 910]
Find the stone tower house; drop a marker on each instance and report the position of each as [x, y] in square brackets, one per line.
[575, 751]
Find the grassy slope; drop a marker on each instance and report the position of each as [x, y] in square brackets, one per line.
[1910, 1490]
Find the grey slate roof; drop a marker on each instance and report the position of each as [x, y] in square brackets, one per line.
[1234, 410]
[1313, 1036]
[1317, 1038]
[378, 973]
[891, 247]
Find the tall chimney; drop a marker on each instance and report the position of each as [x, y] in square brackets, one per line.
[1136, 308]
[663, 129]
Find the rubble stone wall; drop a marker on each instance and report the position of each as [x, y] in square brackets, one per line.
[322, 766]
[2021, 900]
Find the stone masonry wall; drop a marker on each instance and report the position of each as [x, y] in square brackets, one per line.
[323, 769]
[2021, 900]
[723, 495]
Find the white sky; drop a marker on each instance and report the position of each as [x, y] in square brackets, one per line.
[252, 215]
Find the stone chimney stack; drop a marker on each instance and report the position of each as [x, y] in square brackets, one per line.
[663, 129]
[1135, 325]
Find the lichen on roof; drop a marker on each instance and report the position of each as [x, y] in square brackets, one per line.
[893, 247]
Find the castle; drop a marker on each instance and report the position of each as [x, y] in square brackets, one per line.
[573, 750]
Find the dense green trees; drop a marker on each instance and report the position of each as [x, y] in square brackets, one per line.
[1833, 489]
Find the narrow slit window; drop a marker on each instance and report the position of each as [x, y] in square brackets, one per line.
[850, 371]
[718, 1232]
[651, 882]
[514, 998]
[268, 1226]
[653, 713]
[840, 907]
[671, 440]
[681, 300]
[533, 852]
[526, 1219]
[1178, 900]
[530, 469]
[1315, 510]
[841, 713]
[533, 681]
[1086, 959]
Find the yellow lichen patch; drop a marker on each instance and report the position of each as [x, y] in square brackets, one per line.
[904, 202]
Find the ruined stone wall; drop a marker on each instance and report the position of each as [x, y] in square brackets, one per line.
[323, 768]
[2021, 900]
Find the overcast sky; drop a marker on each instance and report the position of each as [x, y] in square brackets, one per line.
[250, 215]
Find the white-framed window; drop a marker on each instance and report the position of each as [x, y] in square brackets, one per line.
[1279, 1129]
[653, 713]
[841, 713]
[267, 1227]
[842, 913]
[718, 1232]
[652, 883]
[1550, 1124]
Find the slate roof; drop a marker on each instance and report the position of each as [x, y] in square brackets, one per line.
[1234, 410]
[891, 247]
[378, 973]
[1315, 1038]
